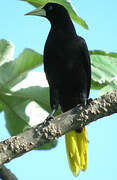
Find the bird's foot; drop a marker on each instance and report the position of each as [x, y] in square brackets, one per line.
[83, 103]
[86, 102]
[89, 101]
[48, 119]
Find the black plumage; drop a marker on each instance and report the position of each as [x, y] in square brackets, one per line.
[66, 61]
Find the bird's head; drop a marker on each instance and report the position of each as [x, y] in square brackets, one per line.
[52, 11]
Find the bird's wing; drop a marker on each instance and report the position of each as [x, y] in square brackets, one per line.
[86, 62]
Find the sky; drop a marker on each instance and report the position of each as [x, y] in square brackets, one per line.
[31, 32]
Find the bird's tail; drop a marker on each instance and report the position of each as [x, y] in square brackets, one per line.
[76, 147]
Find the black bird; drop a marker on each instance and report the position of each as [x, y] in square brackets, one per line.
[68, 71]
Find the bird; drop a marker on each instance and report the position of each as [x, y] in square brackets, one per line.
[68, 72]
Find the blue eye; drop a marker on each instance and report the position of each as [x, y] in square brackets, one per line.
[50, 8]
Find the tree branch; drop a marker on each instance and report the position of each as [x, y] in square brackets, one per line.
[62, 124]
[6, 174]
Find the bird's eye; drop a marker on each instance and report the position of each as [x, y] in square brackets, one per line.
[50, 8]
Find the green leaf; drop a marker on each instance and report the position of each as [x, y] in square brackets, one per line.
[36, 93]
[49, 145]
[6, 51]
[6, 55]
[14, 109]
[67, 4]
[103, 66]
[19, 116]
[16, 104]
[96, 85]
[103, 53]
[110, 87]
[14, 124]
[13, 72]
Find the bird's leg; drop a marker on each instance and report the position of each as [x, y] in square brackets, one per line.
[89, 101]
[83, 102]
[50, 116]
[53, 103]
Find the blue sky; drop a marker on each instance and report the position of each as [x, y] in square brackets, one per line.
[31, 32]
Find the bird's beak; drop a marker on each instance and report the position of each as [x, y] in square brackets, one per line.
[37, 12]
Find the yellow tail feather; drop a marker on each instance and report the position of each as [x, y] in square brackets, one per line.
[76, 148]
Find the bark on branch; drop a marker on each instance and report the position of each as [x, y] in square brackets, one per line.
[6, 174]
[46, 132]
